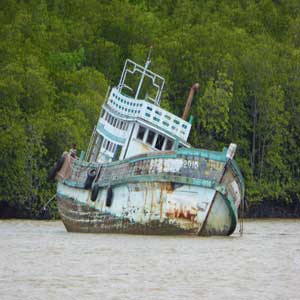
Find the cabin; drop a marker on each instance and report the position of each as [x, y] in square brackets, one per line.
[132, 122]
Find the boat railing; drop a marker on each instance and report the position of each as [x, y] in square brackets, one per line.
[80, 170]
[132, 68]
[150, 112]
[188, 167]
[181, 163]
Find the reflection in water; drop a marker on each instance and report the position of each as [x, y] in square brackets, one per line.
[40, 260]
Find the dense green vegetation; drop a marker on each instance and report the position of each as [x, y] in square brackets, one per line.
[57, 58]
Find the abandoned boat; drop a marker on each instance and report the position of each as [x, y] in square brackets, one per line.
[139, 173]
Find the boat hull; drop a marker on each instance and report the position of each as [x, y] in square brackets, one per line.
[149, 208]
[165, 195]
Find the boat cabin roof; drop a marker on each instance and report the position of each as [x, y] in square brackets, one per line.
[136, 109]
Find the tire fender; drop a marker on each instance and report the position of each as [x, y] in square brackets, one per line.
[90, 178]
[95, 192]
[56, 167]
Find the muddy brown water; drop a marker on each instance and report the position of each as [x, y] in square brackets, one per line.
[40, 260]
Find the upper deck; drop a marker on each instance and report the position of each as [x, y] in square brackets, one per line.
[132, 121]
[129, 107]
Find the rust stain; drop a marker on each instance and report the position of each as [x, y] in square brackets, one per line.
[182, 213]
[145, 148]
[169, 187]
[161, 202]
[151, 203]
[145, 201]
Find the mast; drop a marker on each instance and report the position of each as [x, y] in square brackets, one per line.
[144, 72]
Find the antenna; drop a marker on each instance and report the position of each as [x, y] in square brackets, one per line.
[149, 54]
[144, 72]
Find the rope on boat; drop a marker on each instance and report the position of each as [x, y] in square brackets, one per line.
[46, 204]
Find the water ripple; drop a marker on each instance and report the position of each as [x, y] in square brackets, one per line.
[40, 260]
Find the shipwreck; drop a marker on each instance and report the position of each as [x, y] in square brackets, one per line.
[139, 173]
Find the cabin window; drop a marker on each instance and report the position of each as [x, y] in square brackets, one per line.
[104, 143]
[150, 137]
[109, 146]
[159, 142]
[112, 147]
[118, 152]
[141, 133]
[169, 145]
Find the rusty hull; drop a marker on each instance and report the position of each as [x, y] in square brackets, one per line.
[148, 208]
[80, 218]
[169, 193]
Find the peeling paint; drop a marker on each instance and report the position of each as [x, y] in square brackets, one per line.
[153, 192]
[149, 191]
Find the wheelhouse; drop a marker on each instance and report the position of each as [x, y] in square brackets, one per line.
[132, 122]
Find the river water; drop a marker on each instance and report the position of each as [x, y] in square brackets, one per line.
[40, 260]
